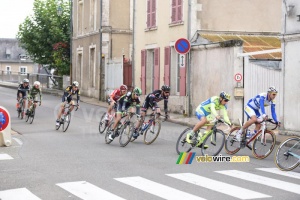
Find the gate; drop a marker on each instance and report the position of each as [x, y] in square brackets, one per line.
[113, 76]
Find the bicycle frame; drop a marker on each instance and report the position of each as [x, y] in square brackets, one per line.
[293, 154]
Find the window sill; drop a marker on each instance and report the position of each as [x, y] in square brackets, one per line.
[176, 23]
[151, 29]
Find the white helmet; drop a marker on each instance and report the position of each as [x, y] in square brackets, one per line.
[75, 83]
[37, 83]
[25, 80]
[272, 89]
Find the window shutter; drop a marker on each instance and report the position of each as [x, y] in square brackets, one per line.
[148, 13]
[156, 69]
[179, 10]
[153, 18]
[167, 66]
[174, 10]
[143, 71]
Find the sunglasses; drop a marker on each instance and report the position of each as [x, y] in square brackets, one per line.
[137, 94]
[274, 94]
[226, 100]
[167, 92]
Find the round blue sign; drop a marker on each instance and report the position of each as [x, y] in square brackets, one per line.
[182, 46]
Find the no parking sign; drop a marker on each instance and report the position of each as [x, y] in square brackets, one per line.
[5, 127]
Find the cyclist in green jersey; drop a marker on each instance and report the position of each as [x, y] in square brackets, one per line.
[32, 95]
[206, 112]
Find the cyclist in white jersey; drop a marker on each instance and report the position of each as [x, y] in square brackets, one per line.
[255, 110]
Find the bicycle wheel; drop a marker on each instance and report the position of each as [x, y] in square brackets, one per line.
[31, 115]
[261, 150]
[126, 134]
[103, 124]
[108, 131]
[182, 145]
[152, 132]
[232, 146]
[27, 117]
[67, 121]
[215, 142]
[284, 156]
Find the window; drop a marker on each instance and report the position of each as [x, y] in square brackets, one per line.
[92, 63]
[176, 11]
[80, 17]
[93, 9]
[8, 70]
[151, 13]
[23, 70]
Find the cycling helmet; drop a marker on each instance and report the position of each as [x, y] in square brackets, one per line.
[272, 89]
[25, 80]
[75, 83]
[137, 91]
[123, 87]
[224, 95]
[37, 83]
[165, 88]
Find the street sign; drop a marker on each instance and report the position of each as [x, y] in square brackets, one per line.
[4, 119]
[182, 46]
[5, 127]
[182, 60]
[238, 77]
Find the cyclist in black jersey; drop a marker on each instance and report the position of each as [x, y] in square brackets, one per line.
[22, 92]
[67, 98]
[151, 101]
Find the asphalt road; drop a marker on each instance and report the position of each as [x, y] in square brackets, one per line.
[77, 164]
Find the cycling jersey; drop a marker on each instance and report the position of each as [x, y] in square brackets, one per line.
[210, 106]
[69, 92]
[23, 90]
[33, 92]
[116, 94]
[127, 100]
[152, 99]
[258, 104]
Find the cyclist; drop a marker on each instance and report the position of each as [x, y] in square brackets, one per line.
[255, 110]
[67, 98]
[22, 90]
[127, 101]
[32, 95]
[151, 101]
[113, 98]
[206, 112]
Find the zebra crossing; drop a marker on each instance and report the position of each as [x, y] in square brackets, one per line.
[85, 190]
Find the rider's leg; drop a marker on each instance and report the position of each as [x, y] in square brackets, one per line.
[110, 107]
[117, 119]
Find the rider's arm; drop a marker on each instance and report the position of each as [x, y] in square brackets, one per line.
[166, 105]
[151, 100]
[213, 109]
[226, 118]
[78, 96]
[274, 116]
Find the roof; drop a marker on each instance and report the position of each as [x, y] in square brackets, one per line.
[251, 43]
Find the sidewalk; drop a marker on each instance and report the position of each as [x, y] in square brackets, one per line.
[175, 118]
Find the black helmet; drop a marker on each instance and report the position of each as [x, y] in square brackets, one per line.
[225, 95]
[165, 88]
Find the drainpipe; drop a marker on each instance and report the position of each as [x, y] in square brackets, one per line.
[133, 45]
[100, 48]
[189, 105]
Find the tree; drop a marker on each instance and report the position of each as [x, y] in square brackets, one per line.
[46, 35]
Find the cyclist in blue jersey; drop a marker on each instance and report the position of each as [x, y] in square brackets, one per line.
[255, 110]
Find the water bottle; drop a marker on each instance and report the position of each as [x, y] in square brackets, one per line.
[249, 135]
[145, 126]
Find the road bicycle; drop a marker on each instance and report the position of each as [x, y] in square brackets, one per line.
[20, 109]
[214, 139]
[123, 130]
[65, 118]
[287, 156]
[103, 124]
[151, 128]
[263, 141]
[31, 113]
